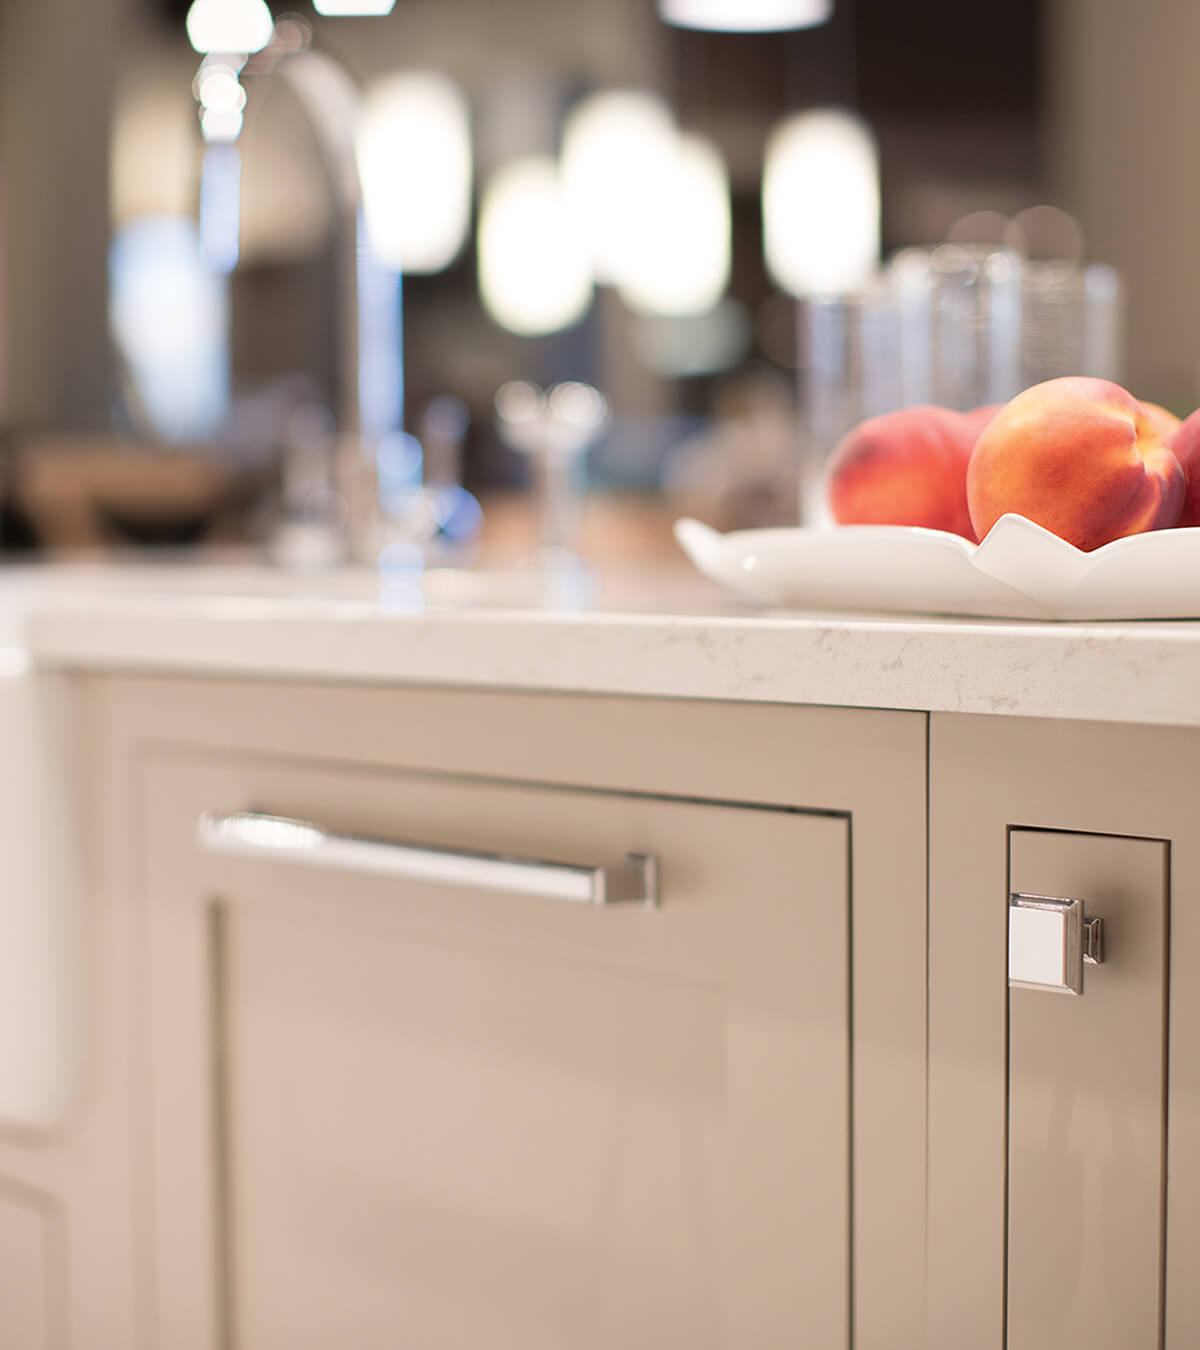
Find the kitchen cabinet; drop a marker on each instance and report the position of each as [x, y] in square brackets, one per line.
[450, 1116]
[797, 1102]
[1086, 1100]
[382, 1111]
[1063, 1182]
[28, 1295]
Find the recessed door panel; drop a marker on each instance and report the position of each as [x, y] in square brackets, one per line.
[26, 1230]
[448, 1117]
[1086, 1106]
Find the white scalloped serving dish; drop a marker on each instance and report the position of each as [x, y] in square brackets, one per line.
[1019, 571]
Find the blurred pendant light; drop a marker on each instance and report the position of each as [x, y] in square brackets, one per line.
[617, 149]
[745, 16]
[651, 206]
[681, 264]
[534, 272]
[414, 163]
[351, 8]
[820, 201]
[229, 25]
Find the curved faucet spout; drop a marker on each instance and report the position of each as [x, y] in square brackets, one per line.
[369, 360]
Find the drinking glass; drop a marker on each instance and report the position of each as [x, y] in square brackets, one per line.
[553, 427]
[1071, 319]
[850, 369]
[963, 304]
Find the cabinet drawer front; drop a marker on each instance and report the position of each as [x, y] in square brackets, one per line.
[447, 1117]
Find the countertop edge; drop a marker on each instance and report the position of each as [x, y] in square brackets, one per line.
[1082, 672]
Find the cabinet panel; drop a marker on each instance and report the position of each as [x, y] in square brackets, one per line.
[989, 777]
[1087, 1107]
[25, 1274]
[448, 1118]
[867, 765]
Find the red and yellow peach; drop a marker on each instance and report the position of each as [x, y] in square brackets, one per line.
[905, 468]
[1080, 457]
[1185, 446]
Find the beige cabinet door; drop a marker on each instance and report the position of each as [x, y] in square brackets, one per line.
[29, 1295]
[1086, 1105]
[396, 1113]
[1063, 1178]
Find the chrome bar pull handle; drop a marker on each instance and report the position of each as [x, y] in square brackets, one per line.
[255, 834]
[1050, 940]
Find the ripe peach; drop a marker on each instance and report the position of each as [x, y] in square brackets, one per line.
[904, 468]
[1185, 446]
[1080, 457]
[1166, 423]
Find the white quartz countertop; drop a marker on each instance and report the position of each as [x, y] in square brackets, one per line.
[671, 635]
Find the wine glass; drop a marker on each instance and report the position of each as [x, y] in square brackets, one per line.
[554, 427]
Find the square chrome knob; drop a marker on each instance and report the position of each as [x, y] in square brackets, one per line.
[1049, 940]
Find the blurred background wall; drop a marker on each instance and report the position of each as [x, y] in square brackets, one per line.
[1123, 103]
[58, 85]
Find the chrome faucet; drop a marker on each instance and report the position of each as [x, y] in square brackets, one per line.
[330, 502]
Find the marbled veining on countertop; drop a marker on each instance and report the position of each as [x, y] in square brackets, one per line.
[673, 637]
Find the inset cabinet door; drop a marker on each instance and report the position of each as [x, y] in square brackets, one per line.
[1063, 1179]
[432, 1114]
[1087, 1104]
[28, 1292]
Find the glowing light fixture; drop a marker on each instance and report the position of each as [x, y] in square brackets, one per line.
[218, 87]
[534, 274]
[353, 8]
[221, 99]
[229, 25]
[821, 203]
[680, 265]
[414, 162]
[745, 16]
[617, 147]
[221, 126]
